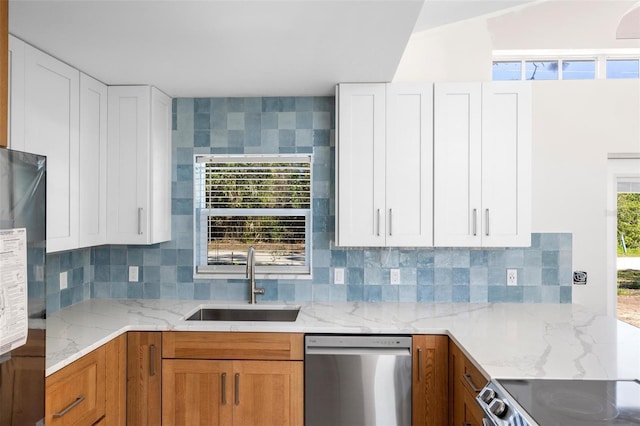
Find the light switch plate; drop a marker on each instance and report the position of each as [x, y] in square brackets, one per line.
[63, 280]
[133, 274]
[338, 276]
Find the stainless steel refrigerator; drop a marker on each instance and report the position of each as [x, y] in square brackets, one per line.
[22, 287]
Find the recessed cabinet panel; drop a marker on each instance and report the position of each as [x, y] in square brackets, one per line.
[51, 129]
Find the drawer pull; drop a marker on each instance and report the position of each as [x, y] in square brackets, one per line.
[224, 388]
[70, 407]
[237, 389]
[467, 378]
[152, 360]
[419, 364]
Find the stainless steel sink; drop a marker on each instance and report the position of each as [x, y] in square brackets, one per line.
[286, 314]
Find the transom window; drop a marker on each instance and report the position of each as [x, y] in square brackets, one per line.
[262, 201]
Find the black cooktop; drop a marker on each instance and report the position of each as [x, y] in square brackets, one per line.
[577, 402]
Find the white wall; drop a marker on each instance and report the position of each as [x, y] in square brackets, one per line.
[575, 123]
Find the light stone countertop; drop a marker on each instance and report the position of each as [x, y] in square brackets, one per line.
[504, 340]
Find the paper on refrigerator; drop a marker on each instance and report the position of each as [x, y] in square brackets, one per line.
[13, 289]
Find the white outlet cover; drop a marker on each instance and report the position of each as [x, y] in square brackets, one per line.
[63, 280]
[395, 276]
[133, 274]
[338, 276]
[512, 277]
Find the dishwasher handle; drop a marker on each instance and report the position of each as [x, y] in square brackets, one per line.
[342, 350]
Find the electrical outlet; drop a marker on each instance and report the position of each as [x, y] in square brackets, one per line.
[63, 280]
[395, 276]
[512, 277]
[133, 274]
[338, 276]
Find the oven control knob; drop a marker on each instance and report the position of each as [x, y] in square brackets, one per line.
[498, 408]
[487, 395]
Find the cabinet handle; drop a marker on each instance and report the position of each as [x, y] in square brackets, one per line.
[378, 231]
[140, 210]
[70, 407]
[390, 221]
[224, 388]
[419, 364]
[467, 378]
[475, 222]
[152, 360]
[237, 389]
[487, 221]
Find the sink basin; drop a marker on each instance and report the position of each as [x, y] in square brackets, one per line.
[287, 314]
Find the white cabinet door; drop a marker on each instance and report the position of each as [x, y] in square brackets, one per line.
[360, 168]
[409, 165]
[506, 164]
[482, 169]
[16, 94]
[139, 166]
[51, 129]
[93, 162]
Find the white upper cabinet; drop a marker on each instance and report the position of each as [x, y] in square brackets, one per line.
[51, 114]
[384, 165]
[138, 166]
[93, 162]
[482, 164]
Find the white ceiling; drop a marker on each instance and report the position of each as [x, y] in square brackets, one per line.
[197, 48]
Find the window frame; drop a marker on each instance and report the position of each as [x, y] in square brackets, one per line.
[201, 215]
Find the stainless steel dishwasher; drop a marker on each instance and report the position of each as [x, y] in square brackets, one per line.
[357, 380]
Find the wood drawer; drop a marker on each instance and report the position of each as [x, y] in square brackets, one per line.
[76, 394]
[225, 345]
[472, 378]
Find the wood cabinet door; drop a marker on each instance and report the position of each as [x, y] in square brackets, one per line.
[75, 395]
[409, 165]
[116, 382]
[197, 392]
[430, 380]
[360, 151]
[268, 393]
[506, 164]
[51, 129]
[144, 374]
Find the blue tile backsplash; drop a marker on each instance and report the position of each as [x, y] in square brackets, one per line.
[301, 125]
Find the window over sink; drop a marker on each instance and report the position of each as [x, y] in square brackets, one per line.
[262, 201]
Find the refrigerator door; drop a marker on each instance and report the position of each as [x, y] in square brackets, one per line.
[23, 205]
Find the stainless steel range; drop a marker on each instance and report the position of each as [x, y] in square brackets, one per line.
[545, 402]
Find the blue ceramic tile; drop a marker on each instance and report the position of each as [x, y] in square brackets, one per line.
[321, 258]
[460, 294]
[535, 240]
[202, 138]
[495, 258]
[338, 293]
[324, 103]
[531, 294]
[168, 274]
[218, 121]
[425, 294]
[390, 293]
[102, 290]
[53, 304]
[286, 292]
[185, 290]
[321, 293]
[119, 273]
[478, 294]
[151, 274]
[443, 276]
[374, 276]
[478, 276]
[185, 173]
[201, 105]
[355, 293]
[168, 291]
[565, 294]
[286, 138]
[426, 258]
[533, 258]
[550, 259]
[320, 138]
[565, 242]
[551, 294]
[118, 256]
[102, 273]
[304, 103]
[565, 276]
[303, 291]
[135, 291]
[564, 259]
[372, 293]
[442, 293]
[425, 276]
[65, 261]
[219, 105]
[321, 120]
[514, 294]
[460, 276]
[549, 241]
[460, 258]
[134, 255]
[235, 140]
[550, 276]
[168, 257]
[408, 276]
[201, 291]
[304, 138]
[185, 275]
[407, 293]
[497, 294]
[530, 276]
[271, 104]
[201, 121]
[355, 276]
[269, 121]
[185, 257]
[442, 258]
[497, 276]
[407, 258]
[119, 290]
[321, 275]
[338, 258]
[304, 120]
[514, 257]
[235, 121]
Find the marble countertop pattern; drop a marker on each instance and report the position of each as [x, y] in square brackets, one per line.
[504, 340]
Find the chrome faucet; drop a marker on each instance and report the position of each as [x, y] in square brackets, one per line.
[251, 275]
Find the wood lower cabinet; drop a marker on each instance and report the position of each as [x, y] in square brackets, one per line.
[430, 380]
[91, 390]
[144, 378]
[261, 383]
[466, 382]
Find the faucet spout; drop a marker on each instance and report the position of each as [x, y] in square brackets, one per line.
[251, 275]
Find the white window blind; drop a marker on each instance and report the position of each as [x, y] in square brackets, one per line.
[259, 201]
